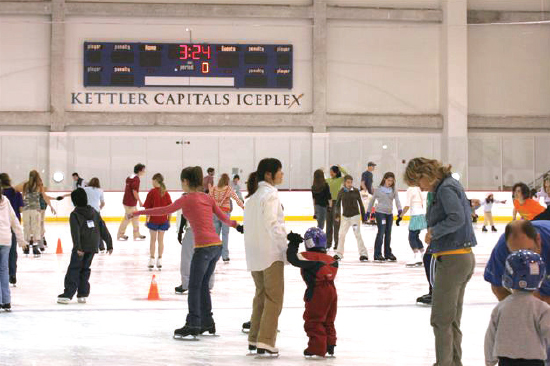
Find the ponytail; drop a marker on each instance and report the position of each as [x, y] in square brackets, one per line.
[252, 184]
[160, 180]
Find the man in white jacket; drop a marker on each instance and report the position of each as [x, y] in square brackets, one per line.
[265, 244]
[8, 221]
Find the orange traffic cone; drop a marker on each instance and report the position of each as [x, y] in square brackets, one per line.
[59, 249]
[153, 290]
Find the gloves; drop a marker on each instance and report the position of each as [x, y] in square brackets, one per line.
[59, 198]
[314, 217]
[399, 212]
[240, 229]
[398, 221]
[294, 239]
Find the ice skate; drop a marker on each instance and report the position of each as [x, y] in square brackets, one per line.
[493, 229]
[252, 349]
[226, 260]
[310, 356]
[211, 329]
[81, 300]
[159, 263]
[337, 257]
[379, 258]
[484, 229]
[122, 238]
[364, 258]
[391, 258]
[186, 333]
[151, 264]
[6, 307]
[13, 280]
[425, 300]
[180, 290]
[265, 351]
[413, 261]
[62, 299]
[330, 351]
[246, 327]
[36, 251]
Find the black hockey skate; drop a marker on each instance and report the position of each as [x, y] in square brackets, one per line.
[211, 329]
[252, 350]
[364, 258]
[26, 250]
[267, 353]
[36, 251]
[311, 356]
[391, 258]
[484, 229]
[379, 258]
[6, 307]
[246, 327]
[179, 290]
[494, 229]
[330, 350]
[13, 280]
[425, 300]
[186, 333]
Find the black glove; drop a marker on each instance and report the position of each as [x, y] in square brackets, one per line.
[59, 198]
[294, 238]
[398, 221]
[240, 229]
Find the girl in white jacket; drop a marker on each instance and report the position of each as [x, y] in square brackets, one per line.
[265, 245]
[8, 222]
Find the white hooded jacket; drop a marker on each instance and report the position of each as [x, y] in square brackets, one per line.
[9, 221]
[264, 229]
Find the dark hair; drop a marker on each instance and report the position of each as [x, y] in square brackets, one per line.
[386, 176]
[75, 174]
[533, 193]
[5, 180]
[348, 177]
[193, 174]
[319, 181]
[336, 171]
[251, 183]
[210, 170]
[1, 193]
[94, 182]
[138, 168]
[79, 197]
[34, 183]
[160, 180]
[525, 227]
[490, 198]
[236, 176]
[267, 165]
[524, 190]
[223, 181]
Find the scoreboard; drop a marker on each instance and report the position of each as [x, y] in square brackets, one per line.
[114, 64]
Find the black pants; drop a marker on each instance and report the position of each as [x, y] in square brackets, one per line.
[427, 259]
[333, 227]
[13, 256]
[505, 361]
[384, 223]
[543, 216]
[78, 275]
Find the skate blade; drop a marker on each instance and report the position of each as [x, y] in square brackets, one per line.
[266, 356]
[315, 358]
[246, 331]
[416, 265]
[208, 335]
[190, 338]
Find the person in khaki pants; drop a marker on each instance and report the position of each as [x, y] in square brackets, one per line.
[130, 201]
[265, 242]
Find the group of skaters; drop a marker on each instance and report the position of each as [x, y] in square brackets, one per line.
[520, 324]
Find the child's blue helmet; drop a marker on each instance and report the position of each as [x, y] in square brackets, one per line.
[524, 270]
[315, 238]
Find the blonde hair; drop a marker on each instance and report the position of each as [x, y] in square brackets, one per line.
[431, 169]
[223, 181]
[160, 180]
[34, 183]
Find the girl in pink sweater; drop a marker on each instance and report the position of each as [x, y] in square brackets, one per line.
[198, 208]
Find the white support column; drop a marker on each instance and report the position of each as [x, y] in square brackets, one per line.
[454, 86]
[319, 66]
[57, 66]
[58, 155]
[319, 151]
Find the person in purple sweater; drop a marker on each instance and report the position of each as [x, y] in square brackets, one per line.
[16, 201]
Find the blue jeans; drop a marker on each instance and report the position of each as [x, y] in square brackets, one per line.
[203, 265]
[13, 255]
[220, 226]
[384, 223]
[321, 216]
[5, 297]
[414, 240]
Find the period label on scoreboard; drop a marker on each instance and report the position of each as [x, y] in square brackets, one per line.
[232, 66]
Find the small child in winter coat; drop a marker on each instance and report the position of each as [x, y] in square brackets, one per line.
[87, 229]
[318, 271]
[519, 330]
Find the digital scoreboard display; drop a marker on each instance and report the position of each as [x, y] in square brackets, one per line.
[187, 65]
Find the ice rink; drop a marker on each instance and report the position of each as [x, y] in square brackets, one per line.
[378, 322]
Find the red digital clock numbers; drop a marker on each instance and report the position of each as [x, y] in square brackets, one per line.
[194, 52]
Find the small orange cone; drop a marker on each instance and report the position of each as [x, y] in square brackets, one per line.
[153, 290]
[59, 249]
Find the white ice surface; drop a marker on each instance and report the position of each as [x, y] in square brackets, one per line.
[378, 322]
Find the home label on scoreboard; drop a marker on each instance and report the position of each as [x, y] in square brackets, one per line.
[187, 65]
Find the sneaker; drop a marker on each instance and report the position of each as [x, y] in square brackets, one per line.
[379, 258]
[151, 264]
[6, 307]
[364, 258]
[159, 263]
[425, 300]
[122, 238]
[61, 299]
[81, 300]
[391, 258]
[13, 280]
[484, 229]
[180, 290]
[494, 229]
[337, 257]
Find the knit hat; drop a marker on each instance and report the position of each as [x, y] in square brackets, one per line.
[79, 197]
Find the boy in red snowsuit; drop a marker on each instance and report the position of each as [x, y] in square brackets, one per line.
[318, 271]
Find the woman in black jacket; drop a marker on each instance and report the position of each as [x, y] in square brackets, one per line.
[322, 199]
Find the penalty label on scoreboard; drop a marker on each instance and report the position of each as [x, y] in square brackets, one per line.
[110, 64]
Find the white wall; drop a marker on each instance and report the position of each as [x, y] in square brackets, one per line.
[240, 2]
[24, 63]
[21, 152]
[408, 4]
[508, 69]
[512, 5]
[383, 68]
[215, 30]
